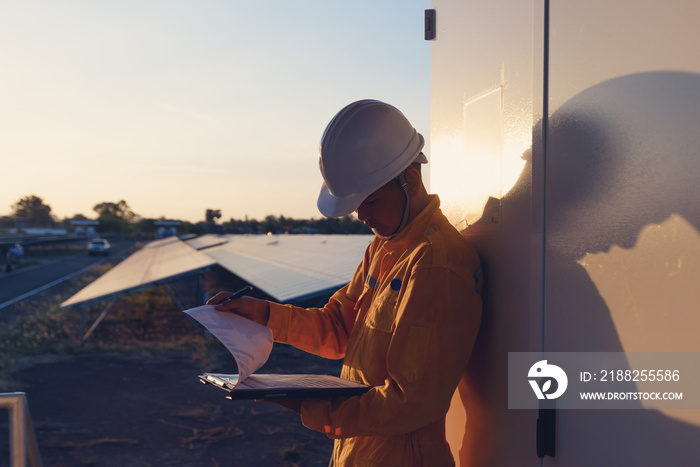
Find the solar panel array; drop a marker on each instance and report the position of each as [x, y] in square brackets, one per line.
[290, 267]
[286, 267]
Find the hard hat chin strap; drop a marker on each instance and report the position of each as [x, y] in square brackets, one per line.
[404, 220]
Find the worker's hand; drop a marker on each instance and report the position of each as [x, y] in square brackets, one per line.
[291, 403]
[248, 307]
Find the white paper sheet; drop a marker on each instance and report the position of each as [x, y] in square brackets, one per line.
[250, 343]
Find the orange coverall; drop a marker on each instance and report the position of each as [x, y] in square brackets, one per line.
[405, 324]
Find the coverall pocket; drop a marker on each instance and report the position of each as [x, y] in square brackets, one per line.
[382, 313]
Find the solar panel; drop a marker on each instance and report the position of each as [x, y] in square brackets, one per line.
[157, 261]
[289, 267]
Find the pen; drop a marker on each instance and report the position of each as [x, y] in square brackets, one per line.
[238, 294]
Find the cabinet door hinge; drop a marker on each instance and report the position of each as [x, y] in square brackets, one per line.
[430, 31]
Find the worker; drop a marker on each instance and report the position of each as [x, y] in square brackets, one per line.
[407, 321]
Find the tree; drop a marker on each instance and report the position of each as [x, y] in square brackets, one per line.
[33, 209]
[271, 224]
[6, 222]
[66, 222]
[281, 224]
[212, 215]
[199, 228]
[146, 227]
[115, 217]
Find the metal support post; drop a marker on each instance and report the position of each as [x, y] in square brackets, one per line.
[24, 450]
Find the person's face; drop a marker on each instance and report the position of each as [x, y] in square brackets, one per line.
[382, 211]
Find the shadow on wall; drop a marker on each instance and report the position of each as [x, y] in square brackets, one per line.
[622, 222]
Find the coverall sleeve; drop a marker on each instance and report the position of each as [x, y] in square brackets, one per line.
[432, 339]
[320, 331]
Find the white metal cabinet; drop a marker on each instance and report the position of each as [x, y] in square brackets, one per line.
[595, 247]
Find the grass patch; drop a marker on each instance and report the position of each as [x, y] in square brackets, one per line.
[290, 453]
[146, 324]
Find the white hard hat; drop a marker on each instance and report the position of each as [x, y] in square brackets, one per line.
[365, 145]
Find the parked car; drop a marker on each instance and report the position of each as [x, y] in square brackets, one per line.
[98, 246]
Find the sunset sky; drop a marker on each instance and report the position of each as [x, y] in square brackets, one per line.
[181, 106]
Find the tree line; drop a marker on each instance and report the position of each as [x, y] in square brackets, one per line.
[117, 218]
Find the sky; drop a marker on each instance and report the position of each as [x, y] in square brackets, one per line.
[177, 107]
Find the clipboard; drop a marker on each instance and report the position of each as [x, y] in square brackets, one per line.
[272, 386]
[250, 344]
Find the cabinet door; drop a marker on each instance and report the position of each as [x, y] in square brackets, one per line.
[483, 62]
[622, 248]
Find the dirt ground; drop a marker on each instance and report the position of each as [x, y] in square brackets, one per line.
[130, 397]
[116, 410]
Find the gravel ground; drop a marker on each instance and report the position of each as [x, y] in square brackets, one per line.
[116, 410]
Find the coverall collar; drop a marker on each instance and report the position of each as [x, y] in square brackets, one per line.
[415, 228]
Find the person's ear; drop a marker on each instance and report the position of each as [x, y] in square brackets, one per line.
[414, 181]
